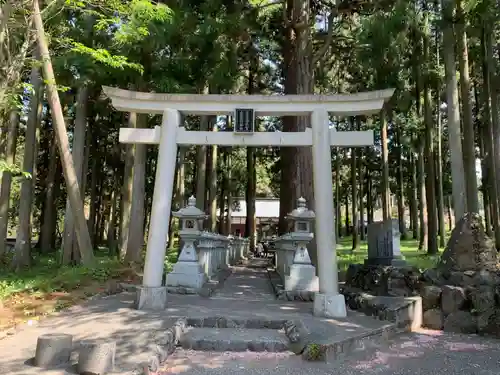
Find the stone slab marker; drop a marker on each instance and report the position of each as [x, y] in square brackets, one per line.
[96, 357]
[383, 244]
[53, 350]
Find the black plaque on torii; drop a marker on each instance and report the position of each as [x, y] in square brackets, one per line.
[244, 120]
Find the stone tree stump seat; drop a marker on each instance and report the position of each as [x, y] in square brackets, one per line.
[53, 350]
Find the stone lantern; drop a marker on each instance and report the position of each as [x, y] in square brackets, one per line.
[302, 275]
[187, 272]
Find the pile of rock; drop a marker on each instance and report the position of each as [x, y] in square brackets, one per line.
[462, 294]
[384, 280]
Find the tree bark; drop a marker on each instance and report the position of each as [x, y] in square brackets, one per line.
[400, 179]
[127, 191]
[338, 207]
[489, 118]
[296, 170]
[136, 224]
[386, 193]
[48, 228]
[201, 168]
[468, 140]
[354, 198]
[94, 201]
[23, 238]
[250, 197]
[229, 193]
[414, 195]
[70, 253]
[69, 172]
[361, 195]
[212, 200]
[455, 137]
[430, 180]
[10, 154]
[439, 180]
[423, 201]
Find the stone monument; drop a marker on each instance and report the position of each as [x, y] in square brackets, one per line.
[187, 272]
[302, 273]
[384, 247]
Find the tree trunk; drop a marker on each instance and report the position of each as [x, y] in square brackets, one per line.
[361, 195]
[299, 79]
[400, 179]
[414, 195]
[439, 180]
[423, 201]
[250, 197]
[483, 131]
[127, 191]
[369, 196]
[70, 175]
[82, 98]
[430, 180]
[338, 207]
[212, 195]
[49, 222]
[23, 238]
[347, 221]
[136, 224]
[354, 199]
[181, 178]
[468, 144]
[489, 117]
[201, 168]
[111, 239]
[438, 152]
[10, 154]
[455, 137]
[386, 193]
[229, 193]
[93, 194]
[222, 199]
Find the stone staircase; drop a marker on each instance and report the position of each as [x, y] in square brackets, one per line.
[234, 334]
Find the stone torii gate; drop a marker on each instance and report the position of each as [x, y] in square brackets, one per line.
[327, 302]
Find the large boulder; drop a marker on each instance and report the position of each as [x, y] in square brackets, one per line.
[469, 248]
[433, 319]
[460, 322]
[453, 298]
[431, 296]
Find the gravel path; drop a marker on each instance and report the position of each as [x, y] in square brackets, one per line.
[426, 352]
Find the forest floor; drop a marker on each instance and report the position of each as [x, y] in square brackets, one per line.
[47, 287]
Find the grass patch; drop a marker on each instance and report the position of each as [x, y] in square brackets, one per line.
[409, 249]
[48, 287]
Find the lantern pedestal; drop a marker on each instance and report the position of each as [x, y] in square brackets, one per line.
[302, 278]
[187, 272]
[302, 273]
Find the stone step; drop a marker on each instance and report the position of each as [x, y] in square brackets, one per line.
[234, 340]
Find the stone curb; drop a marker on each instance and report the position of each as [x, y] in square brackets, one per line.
[405, 312]
[302, 342]
[165, 345]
